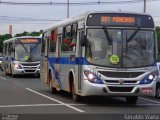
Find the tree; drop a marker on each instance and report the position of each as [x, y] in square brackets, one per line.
[35, 33]
[22, 34]
[29, 34]
[2, 38]
[158, 28]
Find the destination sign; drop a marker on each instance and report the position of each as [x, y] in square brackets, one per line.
[120, 20]
[29, 40]
[108, 20]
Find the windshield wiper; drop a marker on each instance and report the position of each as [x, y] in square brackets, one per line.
[107, 36]
[134, 33]
[25, 50]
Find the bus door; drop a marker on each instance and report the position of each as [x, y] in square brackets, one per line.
[71, 54]
[44, 60]
[57, 64]
[80, 32]
[68, 54]
[7, 58]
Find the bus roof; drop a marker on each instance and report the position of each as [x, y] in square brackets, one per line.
[15, 38]
[84, 17]
[67, 21]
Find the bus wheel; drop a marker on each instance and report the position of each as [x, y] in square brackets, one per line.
[10, 70]
[158, 91]
[6, 73]
[131, 99]
[51, 88]
[75, 97]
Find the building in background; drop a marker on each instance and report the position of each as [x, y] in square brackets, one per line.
[10, 30]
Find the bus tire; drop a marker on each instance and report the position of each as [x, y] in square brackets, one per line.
[158, 91]
[131, 99]
[6, 73]
[13, 75]
[11, 71]
[75, 97]
[51, 88]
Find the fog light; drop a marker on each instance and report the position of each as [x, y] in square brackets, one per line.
[147, 90]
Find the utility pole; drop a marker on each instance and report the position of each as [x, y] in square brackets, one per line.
[144, 6]
[68, 9]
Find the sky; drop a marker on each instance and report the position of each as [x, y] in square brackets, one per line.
[16, 15]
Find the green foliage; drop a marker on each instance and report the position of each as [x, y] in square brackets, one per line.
[35, 34]
[2, 38]
[28, 34]
[22, 34]
[158, 28]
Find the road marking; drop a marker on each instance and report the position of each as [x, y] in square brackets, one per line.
[35, 105]
[149, 100]
[62, 103]
[2, 78]
[148, 104]
[45, 105]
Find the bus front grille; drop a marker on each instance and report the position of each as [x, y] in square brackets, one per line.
[117, 81]
[121, 74]
[29, 71]
[30, 64]
[120, 89]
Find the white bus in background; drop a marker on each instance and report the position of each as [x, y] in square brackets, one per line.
[21, 55]
[101, 53]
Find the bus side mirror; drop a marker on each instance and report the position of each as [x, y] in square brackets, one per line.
[84, 40]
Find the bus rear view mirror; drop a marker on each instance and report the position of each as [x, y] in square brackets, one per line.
[84, 40]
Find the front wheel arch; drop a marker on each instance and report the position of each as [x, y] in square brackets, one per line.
[157, 90]
[71, 80]
[75, 96]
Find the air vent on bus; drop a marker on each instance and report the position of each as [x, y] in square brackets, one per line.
[121, 74]
[125, 81]
[120, 89]
[30, 64]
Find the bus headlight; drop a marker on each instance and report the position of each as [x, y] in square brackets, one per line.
[148, 79]
[17, 66]
[92, 77]
[38, 66]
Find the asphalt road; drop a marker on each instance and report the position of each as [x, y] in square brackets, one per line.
[28, 95]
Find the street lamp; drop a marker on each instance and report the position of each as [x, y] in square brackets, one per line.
[68, 9]
[144, 10]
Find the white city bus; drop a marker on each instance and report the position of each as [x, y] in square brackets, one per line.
[101, 53]
[21, 55]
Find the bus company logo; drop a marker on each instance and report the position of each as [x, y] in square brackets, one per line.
[121, 81]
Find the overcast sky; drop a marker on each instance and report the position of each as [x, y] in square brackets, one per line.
[60, 12]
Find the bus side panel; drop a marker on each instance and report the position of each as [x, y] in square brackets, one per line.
[65, 67]
[44, 63]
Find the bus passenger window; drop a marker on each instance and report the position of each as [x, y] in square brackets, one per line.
[53, 41]
[70, 38]
[74, 38]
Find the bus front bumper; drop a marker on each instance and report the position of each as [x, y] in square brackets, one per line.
[26, 71]
[90, 89]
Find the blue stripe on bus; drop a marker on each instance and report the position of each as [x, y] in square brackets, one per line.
[9, 59]
[64, 60]
[56, 73]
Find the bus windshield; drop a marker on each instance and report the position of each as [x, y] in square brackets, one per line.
[120, 47]
[28, 52]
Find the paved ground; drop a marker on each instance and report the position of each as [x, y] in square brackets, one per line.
[28, 95]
